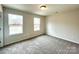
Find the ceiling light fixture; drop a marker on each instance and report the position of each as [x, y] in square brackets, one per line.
[43, 7]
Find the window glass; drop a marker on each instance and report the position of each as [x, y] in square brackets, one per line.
[36, 24]
[15, 24]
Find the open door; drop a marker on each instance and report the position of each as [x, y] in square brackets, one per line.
[1, 29]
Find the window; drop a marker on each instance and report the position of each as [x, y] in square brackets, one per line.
[15, 24]
[36, 24]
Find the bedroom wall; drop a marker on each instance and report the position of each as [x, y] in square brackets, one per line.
[28, 30]
[64, 25]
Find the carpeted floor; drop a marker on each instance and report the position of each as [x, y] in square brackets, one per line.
[42, 45]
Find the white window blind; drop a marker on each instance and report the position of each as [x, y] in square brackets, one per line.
[15, 24]
[36, 24]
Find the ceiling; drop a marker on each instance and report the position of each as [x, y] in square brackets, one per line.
[51, 8]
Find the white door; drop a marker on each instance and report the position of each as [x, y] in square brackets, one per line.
[1, 29]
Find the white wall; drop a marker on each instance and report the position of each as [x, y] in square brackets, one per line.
[64, 25]
[27, 26]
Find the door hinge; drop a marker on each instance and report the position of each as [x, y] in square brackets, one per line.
[0, 41]
[0, 29]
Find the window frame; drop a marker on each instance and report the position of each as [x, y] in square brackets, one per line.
[37, 24]
[14, 25]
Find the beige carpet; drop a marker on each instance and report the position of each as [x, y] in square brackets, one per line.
[42, 45]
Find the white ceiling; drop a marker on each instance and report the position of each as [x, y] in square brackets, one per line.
[51, 8]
